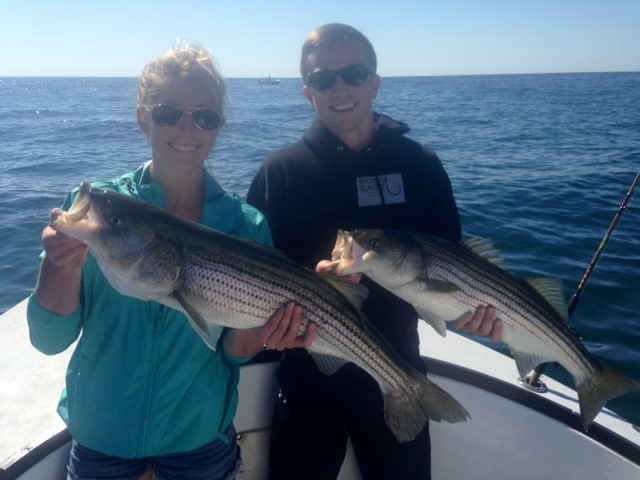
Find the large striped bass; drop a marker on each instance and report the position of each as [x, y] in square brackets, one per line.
[444, 279]
[219, 280]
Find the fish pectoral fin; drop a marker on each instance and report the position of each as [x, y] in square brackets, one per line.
[525, 362]
[354, 292]
[552, 291]
[196, 320]
[436, 286]
[438, 324]
[327, 364]
[192, 312]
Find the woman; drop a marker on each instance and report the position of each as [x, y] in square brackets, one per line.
[143, 391]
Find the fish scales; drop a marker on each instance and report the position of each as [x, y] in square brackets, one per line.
[258, 276]
[443, 280]
[269, 289]
[218, 280]
[495, 287]
[516, 304]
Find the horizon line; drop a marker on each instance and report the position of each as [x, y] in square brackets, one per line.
[275, 77]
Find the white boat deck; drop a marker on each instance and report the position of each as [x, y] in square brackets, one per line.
[31, 385]
[32, 382]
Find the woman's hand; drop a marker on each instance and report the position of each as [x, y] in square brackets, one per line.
[63, 250]
[285, 329]
[58, 287]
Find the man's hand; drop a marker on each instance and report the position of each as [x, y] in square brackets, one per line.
[327, 267]
[481, 322]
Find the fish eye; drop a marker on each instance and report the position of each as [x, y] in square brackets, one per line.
[374, 242]
[115, 220]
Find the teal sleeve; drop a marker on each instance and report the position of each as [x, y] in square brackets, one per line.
[230, 359]
[51, 333]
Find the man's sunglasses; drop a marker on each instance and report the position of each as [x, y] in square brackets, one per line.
[170, 116]
[352, 75]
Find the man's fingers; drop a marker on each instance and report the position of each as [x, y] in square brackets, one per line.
[481, 322]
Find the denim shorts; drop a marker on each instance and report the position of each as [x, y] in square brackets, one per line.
[215, 461]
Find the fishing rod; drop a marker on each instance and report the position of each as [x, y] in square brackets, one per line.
[532, 381]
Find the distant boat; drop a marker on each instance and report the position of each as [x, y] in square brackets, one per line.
[269, 81]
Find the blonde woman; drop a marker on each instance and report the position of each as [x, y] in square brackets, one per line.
[144, 394]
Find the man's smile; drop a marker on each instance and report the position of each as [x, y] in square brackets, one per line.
[183, 148]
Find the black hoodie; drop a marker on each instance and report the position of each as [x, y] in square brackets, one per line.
[318, 185]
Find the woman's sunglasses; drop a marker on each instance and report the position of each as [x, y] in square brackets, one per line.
[352, 75]
[170, 116]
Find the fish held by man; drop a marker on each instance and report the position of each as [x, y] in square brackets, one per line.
[444, 279]
[219, 280]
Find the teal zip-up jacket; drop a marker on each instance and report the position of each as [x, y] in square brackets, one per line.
[141, 382]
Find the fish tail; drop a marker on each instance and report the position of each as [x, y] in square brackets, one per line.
[407, 411]
[597, 390]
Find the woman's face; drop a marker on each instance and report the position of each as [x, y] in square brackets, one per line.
[183, 146]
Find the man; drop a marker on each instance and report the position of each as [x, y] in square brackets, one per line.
[352, 169]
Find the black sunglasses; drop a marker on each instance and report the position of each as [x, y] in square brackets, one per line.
[171, 115]
[352, 75]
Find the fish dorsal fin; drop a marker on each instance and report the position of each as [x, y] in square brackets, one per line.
[327, 364]
[551, 290]
[485, 249]
[354, 292]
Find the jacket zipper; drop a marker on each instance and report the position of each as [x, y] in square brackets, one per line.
[151, 381]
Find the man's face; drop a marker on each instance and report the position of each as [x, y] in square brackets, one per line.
[344, 109]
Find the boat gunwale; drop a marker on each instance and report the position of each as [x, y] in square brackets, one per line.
[32, 454]
[536, 402]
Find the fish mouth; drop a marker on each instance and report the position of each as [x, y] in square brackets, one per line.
[81, 205]
[343, 248]
[349, 253]
[78, 220]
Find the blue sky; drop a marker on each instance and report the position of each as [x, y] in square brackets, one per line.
[253, 38]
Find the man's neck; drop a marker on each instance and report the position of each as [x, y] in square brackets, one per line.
[360, 138]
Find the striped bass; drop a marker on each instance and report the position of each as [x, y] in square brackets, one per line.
[219, 280]
[444, 279]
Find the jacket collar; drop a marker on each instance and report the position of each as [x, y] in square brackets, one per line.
[153, 192]
[320, 138]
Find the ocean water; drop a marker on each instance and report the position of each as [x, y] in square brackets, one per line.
[539, 164]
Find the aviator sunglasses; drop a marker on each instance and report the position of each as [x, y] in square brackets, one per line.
[171, 115]
[353, 75]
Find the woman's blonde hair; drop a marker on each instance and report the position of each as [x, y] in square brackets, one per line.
[187, 59]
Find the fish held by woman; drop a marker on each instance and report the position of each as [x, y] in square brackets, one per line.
[444, 279]
[218, 280]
